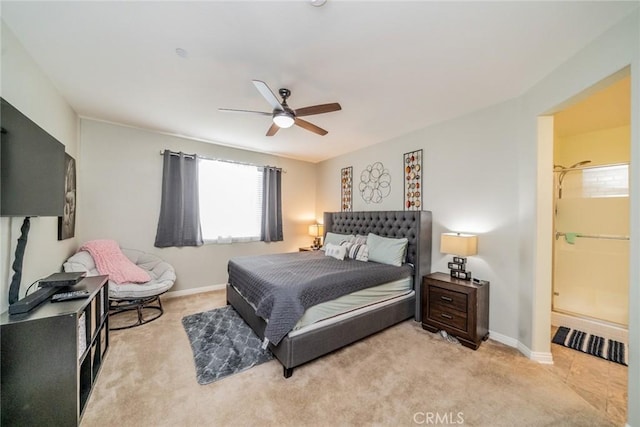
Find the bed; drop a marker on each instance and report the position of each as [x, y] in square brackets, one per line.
[309, 342]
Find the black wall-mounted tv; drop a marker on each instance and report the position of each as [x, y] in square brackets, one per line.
[32, 167]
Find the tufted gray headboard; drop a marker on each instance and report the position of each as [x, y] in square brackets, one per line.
[414, 225]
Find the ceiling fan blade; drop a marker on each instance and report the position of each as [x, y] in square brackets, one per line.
[310, 127]
[318, 109]
[268, 95]
[273, 129]
[229, 110]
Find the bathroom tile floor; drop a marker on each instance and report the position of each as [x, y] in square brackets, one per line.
[601, 383]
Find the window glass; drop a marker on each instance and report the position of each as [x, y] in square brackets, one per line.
[230, 201]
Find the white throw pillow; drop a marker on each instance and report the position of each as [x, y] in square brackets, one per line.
[360, 239]
[335, 251]
[335, 238]
[358, 252]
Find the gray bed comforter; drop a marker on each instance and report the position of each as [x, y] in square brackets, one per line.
[283, 286]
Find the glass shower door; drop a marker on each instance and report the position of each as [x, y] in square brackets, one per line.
[591, 250]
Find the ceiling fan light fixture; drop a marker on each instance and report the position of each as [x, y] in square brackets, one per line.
[283, 120]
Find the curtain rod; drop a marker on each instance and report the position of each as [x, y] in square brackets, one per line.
[222, 160]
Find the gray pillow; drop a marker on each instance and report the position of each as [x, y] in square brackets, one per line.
[386, 250]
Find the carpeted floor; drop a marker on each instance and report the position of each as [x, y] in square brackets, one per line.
[401, 376]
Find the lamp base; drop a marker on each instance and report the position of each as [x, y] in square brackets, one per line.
[316, 243]
[462, 275]
[458, 268]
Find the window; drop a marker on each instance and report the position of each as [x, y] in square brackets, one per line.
[230, 201]
[606, 181]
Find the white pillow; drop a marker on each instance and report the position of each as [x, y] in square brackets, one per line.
[335, 251]
[358, 252]
[386, 250]
[360, 239]
[335, 238]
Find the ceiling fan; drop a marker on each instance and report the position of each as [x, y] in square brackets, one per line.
[284, 116]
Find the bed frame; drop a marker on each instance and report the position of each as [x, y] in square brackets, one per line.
[302, 348]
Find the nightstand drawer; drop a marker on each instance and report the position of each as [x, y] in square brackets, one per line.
[453, 318]
[446, 298]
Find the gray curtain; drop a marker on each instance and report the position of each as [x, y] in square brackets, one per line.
[271, 230]
[179, 223]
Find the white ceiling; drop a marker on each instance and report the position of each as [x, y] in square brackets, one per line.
[393, 66]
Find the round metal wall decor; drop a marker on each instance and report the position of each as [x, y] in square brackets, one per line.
[375, 183]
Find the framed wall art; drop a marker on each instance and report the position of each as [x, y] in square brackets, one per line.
[346, 189]
[67, 222]
[413, 188]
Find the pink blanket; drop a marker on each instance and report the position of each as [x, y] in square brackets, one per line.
[110, 260]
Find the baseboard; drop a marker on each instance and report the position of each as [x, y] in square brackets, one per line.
[503, 339]
[193, 291]
[537, 356]
[591, 326]
[544, 357]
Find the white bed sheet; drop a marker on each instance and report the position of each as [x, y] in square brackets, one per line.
[357, 302]
[354, 301]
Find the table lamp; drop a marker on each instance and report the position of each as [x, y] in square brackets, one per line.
[460, 246]
[317, 231]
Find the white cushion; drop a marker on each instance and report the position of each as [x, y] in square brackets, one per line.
[359, 252]
[386, 250]
[335, 251]
[162, 274]
[336, 239]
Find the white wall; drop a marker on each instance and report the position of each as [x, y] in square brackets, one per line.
[486, 173]
[633, 414]
[27, 88]
[606, 55]
[119, 198]
[616, 49]
[470, 176]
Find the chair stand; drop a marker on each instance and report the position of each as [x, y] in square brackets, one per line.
[119, 306]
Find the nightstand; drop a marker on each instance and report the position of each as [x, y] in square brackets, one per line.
[307, 249]
[459, 307]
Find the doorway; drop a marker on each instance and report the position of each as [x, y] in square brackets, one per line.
[591, 154]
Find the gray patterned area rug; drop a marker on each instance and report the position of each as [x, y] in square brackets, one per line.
[223, 344]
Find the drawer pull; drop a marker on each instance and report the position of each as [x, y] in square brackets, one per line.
[447, 299]
[446, 316]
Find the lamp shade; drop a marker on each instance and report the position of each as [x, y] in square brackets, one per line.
[316, 230]
[459, 244]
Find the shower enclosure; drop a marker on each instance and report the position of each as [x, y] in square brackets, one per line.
[591, 245]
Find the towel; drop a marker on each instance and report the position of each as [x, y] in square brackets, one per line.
[570, 238]
[110, 260]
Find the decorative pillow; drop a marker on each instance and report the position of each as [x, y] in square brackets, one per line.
[335, 238]
[347, 244]
[358, 252]
[386, 250]
[335, 251]
[359, 239]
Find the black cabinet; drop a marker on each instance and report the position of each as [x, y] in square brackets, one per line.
[51, 357]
